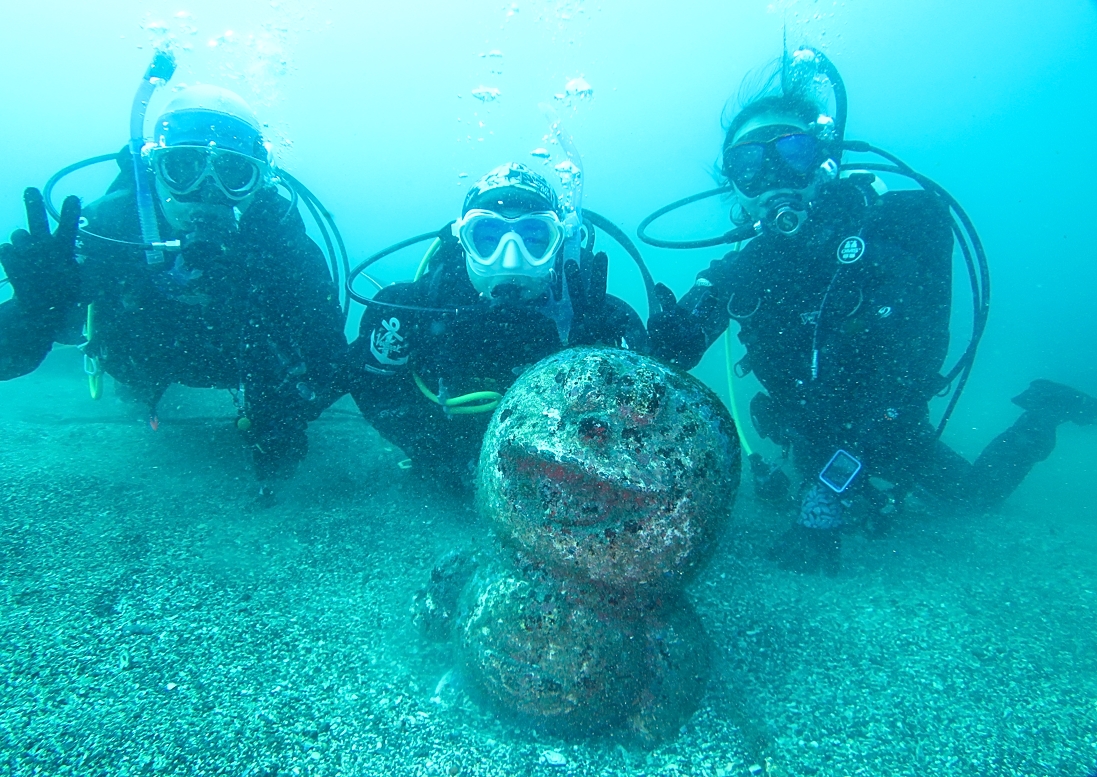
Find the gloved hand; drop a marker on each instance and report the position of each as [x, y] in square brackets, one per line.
[588, 296]
[674, 335]
[41, 266]
[814, 543]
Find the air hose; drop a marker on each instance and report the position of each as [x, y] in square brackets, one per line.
[731, 395]
[466, 404]
[971, 248]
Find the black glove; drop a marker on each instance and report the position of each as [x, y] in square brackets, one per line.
[41, 266]
[674, 335]
[588, 297]
[267, 213]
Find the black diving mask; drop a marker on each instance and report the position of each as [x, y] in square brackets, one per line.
[785, 162]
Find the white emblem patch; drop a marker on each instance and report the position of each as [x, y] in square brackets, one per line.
[387, 344]
[851, 249]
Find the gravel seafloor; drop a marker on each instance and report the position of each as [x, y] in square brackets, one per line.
[154, 621]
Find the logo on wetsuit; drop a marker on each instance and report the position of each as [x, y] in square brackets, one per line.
[851, 249]
[387, 344]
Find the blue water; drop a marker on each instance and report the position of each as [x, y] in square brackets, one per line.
[372, 106]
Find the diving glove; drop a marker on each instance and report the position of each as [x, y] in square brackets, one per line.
[588, 295]
[42, 266]
[771, 484]
[676, 337]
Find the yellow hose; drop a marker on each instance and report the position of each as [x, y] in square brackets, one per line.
[731, 394]
[95, 374]
[464, 404]
[424, 263]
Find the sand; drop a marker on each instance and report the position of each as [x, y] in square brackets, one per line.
[154, 620]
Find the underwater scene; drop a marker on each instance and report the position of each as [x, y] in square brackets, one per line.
[548, 387]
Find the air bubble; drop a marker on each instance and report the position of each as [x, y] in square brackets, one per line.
[485, 94]
[579, 88]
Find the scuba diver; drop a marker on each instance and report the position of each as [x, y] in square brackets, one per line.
[192, 269]
[842, 295]
[501, 288]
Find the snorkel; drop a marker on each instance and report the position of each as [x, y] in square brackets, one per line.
[787, 215]
[159, 72]
[574, 220]
[561, 310]
[784, 209]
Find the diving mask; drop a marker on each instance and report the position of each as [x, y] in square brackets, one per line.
[182, 170]
[485, 234]
[786, 161]
[510, 251]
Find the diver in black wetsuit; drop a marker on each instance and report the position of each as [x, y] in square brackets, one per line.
[843, 304]
[244, 302]
[496, 295]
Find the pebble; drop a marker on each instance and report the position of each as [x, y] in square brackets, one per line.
[554, 758]
[135, 629]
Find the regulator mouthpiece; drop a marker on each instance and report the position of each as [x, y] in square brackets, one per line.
[787, 218]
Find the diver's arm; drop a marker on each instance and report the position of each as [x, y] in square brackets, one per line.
[381, 379]
[24, 341]
[384, 337]
[684, 329]
[45, 279]
[622, 326]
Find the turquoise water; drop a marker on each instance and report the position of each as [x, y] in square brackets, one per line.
[961, 645]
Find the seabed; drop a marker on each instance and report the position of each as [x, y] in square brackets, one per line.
[154, 621]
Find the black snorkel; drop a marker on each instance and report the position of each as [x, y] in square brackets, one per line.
[838, 87]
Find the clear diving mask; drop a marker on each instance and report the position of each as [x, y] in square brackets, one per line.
[516, 251]
[183, 170]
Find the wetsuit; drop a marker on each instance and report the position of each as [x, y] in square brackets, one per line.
[256, 313]
[439, 329]
[846, 326]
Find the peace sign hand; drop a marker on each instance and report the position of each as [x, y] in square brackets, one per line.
[42, 266]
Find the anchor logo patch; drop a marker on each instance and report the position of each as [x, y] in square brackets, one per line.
[387, 344]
